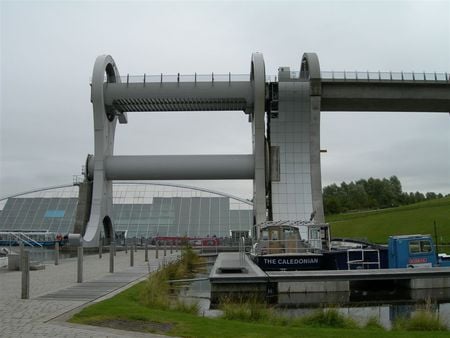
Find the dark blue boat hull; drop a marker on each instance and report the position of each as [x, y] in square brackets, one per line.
[328, 260]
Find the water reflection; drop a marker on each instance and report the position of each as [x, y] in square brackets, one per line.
[362, 305]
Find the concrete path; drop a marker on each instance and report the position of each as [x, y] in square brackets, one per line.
[55, 295]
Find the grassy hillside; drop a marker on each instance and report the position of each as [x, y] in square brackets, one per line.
[378, 225]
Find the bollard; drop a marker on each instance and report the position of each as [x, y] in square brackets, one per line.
[114, 248]
[135, 245]
[171, 247]
[111, 257]
[21, 253]
[126, 246]
[156, 246]
[56, 253]
[165, 248]
[100, 250]
[25, 266]
[146, 251]
[131, 257]
[80, 265]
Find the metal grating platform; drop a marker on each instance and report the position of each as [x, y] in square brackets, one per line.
[91, 290]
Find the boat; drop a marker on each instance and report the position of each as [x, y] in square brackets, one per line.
[281, 246]
[299, 245]
[31, 238]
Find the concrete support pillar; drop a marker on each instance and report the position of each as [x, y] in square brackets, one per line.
[56, 253]
[25, 267]
[80, 265]
[131, 256]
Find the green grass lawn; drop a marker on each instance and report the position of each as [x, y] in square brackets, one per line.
[377, 226]
[126, 306]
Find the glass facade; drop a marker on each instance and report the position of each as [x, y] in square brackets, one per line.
[139, 210]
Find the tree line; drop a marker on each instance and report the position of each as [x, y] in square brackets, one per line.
[373, 193]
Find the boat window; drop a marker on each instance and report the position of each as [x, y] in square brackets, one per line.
[265, 235]
[289, 233]
[425, 246]
[414, 247]
[420, 246]
[274, 234]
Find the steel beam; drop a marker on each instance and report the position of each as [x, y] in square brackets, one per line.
[178, 167]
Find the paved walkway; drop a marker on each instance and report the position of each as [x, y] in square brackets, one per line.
[54, 295]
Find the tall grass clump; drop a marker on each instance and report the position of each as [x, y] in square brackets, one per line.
[246, 310]
[421, 320]
[330, 318]
[373, 323]
[157, 292]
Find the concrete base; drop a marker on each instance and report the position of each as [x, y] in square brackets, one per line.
[316, 286]
[312, 298]
[244, 291]
[429, 283]
[13, 262]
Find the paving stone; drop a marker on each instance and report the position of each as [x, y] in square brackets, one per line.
[54, 292]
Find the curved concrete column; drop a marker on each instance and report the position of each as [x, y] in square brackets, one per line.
[105, 122]
[258, 80]
[310, 70]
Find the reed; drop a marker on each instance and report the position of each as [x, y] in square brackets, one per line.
[157, 292]
[330, 318]
[421, 320]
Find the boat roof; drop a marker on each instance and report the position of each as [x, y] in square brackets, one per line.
[409, 236]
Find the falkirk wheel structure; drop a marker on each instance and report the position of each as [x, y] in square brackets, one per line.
[284, 112]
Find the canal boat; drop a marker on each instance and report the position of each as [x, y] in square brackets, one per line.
[284, 246]
[307, 246]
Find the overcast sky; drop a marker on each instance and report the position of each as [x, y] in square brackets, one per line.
[48, 51]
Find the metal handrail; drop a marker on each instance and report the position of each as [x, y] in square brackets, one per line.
[26, 239]
[29, 240]
[333, 75]
[385, 76]
[362, 261]
[242, 250]
[286, 246]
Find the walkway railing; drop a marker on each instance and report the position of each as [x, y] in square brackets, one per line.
[325, 75]
[20, 237]
[381, 76]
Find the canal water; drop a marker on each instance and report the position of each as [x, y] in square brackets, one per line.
[385, 306]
